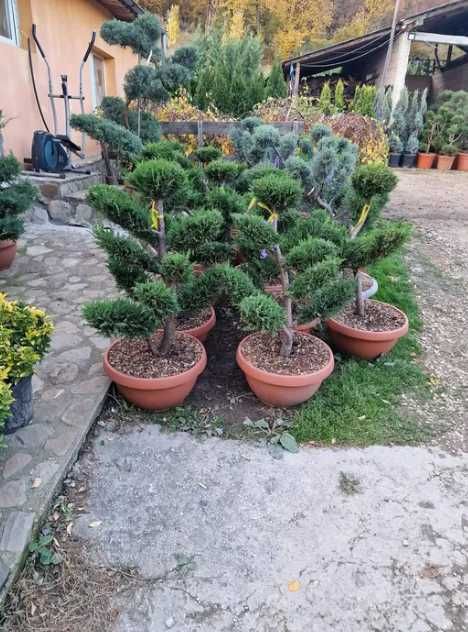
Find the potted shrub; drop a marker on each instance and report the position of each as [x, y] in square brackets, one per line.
[283, 366]
[396, 150]
[25, 333]
[446, 157]
[16, 196]
[153, 368]
[368, 328]
[411, 149]
[156, 184]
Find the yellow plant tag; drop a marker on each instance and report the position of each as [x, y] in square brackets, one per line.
[274, 217]
[154, 216]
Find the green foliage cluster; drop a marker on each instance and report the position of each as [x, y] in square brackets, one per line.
[142, 124]
[16, 196]
[321, 161]
[229, 76]
[446, 127]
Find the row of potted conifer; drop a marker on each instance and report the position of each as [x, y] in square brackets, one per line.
[205, 231]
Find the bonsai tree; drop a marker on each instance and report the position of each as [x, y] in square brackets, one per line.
[309, 271]
[16, 196]
[368, 248]
[372, 185]
[115, 140]
[154, 79]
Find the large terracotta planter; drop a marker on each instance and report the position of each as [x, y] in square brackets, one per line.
[364, 344]
[7, 253]
[283, 391]
[445, 163]
[201, 332]
[159, 393]
[462, 161]
[425, 160]
[274, 289]
[307, 328]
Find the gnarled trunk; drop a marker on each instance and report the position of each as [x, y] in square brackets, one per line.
[168, 336]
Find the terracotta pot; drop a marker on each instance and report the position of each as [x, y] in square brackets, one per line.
[445, 163]
[462, 161]
[364, 344]
[307, 328]
[283, 391]
[274, 289]
[425, 160]
[158, 393]
[201, 332]
[7, 253]
[198, 269]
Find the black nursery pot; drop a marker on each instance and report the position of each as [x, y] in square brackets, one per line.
[394, 160]
[22, 407]
[408, 160]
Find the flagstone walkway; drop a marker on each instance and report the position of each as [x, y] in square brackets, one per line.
[58, 269]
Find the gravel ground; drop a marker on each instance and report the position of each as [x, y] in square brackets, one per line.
[437, 204]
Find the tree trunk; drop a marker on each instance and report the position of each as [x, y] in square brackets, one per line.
[168, 336]
[287, 338]
[109, 170]
[152, 347]
[360, 301]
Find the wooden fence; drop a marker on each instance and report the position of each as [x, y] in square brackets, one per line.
[219, 128]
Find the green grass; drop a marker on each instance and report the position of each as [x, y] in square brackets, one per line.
[358, 404]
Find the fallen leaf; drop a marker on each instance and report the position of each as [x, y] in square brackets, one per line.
[95, 524]
[294, 586]
[33, 609]
[69, 528]
[37, 482]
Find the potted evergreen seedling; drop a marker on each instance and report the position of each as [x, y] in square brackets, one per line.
[283, 366]
[368, 328]
[25, 333]
[16, 196]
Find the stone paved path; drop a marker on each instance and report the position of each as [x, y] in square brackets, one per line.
[57, 269]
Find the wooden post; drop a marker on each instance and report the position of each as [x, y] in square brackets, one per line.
[297, 78]
[200, 133]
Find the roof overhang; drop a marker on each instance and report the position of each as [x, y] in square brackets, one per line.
[450, 18]
[126, 10]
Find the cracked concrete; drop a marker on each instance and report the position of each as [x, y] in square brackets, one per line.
[228, 536]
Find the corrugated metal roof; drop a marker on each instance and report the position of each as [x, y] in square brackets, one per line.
[336, 55]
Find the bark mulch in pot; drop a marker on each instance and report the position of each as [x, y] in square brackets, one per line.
[308, 355]
[192, 320]
[133, 357]
[378, 317]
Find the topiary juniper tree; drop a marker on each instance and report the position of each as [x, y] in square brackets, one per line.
[309, 269]
[16, 196]
[155, 80]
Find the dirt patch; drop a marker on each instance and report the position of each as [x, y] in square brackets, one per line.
[435, 203]
[222, 390]
[377, 317]
[133, 357]
[74, 594]
[308, 354]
